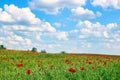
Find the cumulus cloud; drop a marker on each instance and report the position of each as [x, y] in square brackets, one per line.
[53, 6]
[96, 29]
[100, 33]
[11, 40]
[82, 13]
[15, 14]
[60, 35]
[57, 24]
[107, 3]
[20, 27]
[23, 19]
[94, 36]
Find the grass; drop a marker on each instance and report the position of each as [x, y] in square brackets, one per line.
[56, 66]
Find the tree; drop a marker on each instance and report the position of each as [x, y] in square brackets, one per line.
[2, 47]
[63, 52]
[34, 49]
[43, 51]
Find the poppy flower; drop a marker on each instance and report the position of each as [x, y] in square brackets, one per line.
[28, 71]
[6, 59]
[87, 60]
[93, 68]
[90, 62]
[105, 63]
[51, 67]
[82, 68]
[38, 65]
[72, 70]
[39, 60]
[71, 63]
[19, 65]
[66, 60]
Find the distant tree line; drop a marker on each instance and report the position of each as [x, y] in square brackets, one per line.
[2, 47]
[34, 49]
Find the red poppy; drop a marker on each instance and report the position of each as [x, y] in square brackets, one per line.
[51, 67]
[66, 60]
[93, 68]
[72, 70]
[39, 60]
[6, 59]
[82, 68]
[87, 60]
[28, 71]
[90, 62]
[71, 63]
[19, 65]
[38, 65]
[105, 63]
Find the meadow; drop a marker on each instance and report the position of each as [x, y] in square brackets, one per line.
[24, 65]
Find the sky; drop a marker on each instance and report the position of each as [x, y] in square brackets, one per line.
[73, 26]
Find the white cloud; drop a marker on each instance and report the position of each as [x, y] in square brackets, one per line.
[23, 19]
[74, 31]
[112, 45]
[107, 3]
[53, 6]
[62, 35]
[86, 44]
[20, 27]
[20, 14]
[11, 40]
[82, 13]
[105, 33]
[56, 24]
[38, 36]
[58, 34]
[108, 33]
[96, 29]
[5, 17]
[53, 45]
[82, 36]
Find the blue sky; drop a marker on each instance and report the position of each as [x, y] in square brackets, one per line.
[74, 26]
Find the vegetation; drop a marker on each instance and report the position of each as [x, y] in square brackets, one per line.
[23, 65]
[63, 52]
[34, 49]
[2, 47]
[43, 51]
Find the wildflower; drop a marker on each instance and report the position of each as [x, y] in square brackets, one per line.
[66, 60]
[28, 71]
[6, 59]
[82, 68]
[105, 63]
[71, 63]
[38, 65]
[90, 62]
[72, 70]
[19, 65]
[39, 60]
[93, 68]
[51, 67]
[87, 60]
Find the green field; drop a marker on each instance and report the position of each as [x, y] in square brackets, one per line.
[23, 65]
